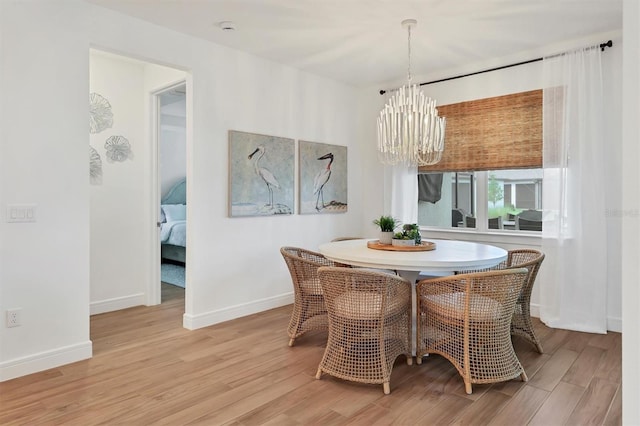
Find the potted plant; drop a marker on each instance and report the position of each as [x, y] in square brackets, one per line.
[387, 225]
[410, 236]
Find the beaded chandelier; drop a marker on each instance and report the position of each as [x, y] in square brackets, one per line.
[409, 129]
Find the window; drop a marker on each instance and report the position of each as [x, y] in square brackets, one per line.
[456, 202]
[514, 194]
[508, 195]
[491, 168]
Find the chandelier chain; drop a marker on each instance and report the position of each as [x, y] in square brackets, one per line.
[409, 54]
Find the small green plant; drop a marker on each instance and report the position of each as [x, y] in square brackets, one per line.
[409, 232]
[386, 223]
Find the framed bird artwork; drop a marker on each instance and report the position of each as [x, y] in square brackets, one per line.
[261, 175]
[323, 178]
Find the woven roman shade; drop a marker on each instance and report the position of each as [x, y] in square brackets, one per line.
[504, 132]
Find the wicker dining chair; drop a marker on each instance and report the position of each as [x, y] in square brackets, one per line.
[309, 311]
[466, 318]
[369, 324]
[521, 324]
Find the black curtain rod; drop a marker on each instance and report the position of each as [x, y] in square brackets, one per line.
[602, 47]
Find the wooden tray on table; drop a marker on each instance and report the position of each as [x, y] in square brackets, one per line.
[423, 246]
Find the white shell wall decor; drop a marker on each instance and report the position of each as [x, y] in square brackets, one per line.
[118, 149]
[100, 114]
[95, 167]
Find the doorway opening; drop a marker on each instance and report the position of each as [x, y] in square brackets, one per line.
[125, 190]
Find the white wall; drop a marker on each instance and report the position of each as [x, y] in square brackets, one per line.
[630, 215]
[235, 266]
[118, 213]
[173, 128]
[44, 267]
[514, 80]
[117, 210]
[173, 157]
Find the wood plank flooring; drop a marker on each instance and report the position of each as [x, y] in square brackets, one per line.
[147, 369]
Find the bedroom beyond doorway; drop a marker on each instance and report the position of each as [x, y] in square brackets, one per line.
[172, 169]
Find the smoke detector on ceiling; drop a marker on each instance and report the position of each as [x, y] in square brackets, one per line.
[227, 26]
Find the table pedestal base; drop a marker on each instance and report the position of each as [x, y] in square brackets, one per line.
[412, 276]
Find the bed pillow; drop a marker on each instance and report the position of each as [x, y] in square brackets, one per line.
[174, 212]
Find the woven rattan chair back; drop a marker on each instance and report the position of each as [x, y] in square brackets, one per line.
[521, 322]
[369, 324]
[309, 312]
[466, 318]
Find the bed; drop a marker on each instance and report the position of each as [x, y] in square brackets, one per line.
[173, 219]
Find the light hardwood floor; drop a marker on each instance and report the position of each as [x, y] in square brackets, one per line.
[147, 369]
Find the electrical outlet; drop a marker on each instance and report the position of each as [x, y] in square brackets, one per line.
[13, 317]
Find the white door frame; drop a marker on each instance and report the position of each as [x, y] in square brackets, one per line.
[154, 288]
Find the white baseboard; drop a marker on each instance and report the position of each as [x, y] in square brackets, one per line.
[534, 310]
[45, 360]
[613, 324]
[115, 304]
[193, 322]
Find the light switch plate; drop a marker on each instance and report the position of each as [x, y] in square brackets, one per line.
[21, 213]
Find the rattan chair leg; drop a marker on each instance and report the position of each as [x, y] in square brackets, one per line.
[467, 387]
[291, 342]
[319, 373]
[522, 326]
[386, 388]
[524, 377]
[530, 334]
[409, 360]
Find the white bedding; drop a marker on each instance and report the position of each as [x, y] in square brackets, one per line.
[174, 232]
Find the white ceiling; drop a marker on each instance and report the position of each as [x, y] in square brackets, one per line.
[361, 42]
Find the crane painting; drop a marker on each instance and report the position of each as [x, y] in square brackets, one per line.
[323, 178]
[261, 172]
[264, 174]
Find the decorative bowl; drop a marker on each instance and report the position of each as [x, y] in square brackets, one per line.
[403, 243]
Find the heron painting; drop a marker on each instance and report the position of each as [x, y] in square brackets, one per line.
[264, 174]
[323, 178]
[261, 174]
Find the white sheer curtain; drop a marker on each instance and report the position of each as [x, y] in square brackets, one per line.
[402, 200]
[573, 286]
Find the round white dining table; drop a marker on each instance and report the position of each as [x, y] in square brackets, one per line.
[447, 257]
